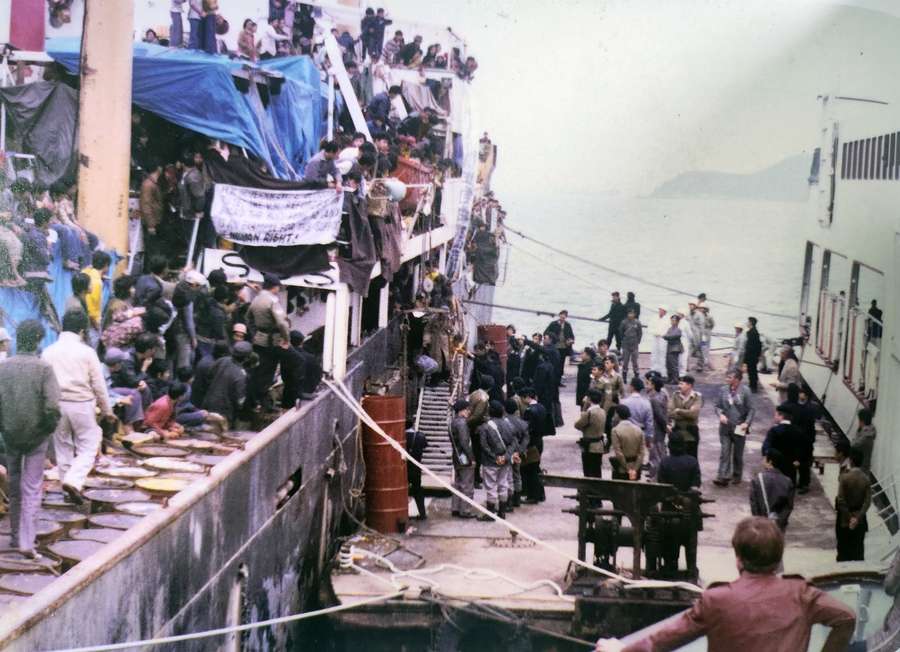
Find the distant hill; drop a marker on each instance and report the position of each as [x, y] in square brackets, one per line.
[784, 181]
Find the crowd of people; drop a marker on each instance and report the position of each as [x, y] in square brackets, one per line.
[289, 30]
[646, 427]
[159, 352]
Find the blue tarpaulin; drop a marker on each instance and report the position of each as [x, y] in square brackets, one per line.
[196, 90]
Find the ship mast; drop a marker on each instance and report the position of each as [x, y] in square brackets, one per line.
[104, 121]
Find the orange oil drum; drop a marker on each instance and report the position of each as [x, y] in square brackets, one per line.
[387, 496]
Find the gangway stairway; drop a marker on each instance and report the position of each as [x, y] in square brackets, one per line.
[432, 420]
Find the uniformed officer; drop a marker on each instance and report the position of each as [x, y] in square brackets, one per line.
[271, 335]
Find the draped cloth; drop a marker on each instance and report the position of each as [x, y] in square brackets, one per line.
[42, 118]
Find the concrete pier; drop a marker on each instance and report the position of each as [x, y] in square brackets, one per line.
[437, 546]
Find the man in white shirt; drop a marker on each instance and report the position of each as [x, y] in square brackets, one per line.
[269, 37]
[82, 389]
[659, 327]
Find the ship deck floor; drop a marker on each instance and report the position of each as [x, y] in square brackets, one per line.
[443, 540]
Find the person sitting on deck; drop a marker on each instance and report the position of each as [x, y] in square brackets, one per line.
[160, 416]
[758, 611]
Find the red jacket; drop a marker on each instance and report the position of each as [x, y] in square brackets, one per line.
[161, 414]
[754, 613]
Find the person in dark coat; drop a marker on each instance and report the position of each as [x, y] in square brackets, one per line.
[530, 357]
[202, 371]
[416, 443]
[537, 419]
[772, 492]
[546, 387]
[513, 362]
[583, 379]
[678, 468]
[227, 389]
[752, 351]
[293, 370]
[631, 304]
[804, 417]
[615, 316]
[561, 329]
[29, 414]
[788, 439]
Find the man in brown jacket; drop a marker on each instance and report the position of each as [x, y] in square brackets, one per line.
[592, 423]
[151, 209]
[852, 502]
[759, 611]
[628, 447]
[684, 411]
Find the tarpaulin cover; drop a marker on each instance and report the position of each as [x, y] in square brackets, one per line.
[197, 91]
[42, 118]
[18, 304]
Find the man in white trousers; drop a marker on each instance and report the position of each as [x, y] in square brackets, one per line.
[687, 340]
[658, 329]
[82, 389]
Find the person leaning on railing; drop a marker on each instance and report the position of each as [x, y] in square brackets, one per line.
[758, 611]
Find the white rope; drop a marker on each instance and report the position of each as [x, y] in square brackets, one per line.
[344, 394]
[236, 628]
[475, 574]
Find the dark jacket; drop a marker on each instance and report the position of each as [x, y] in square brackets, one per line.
[29, 402]
[779, 493]
[583, 381]
[788, 440]
[562, 332]
[536, 417]
[201, 379]
[682, 470]
[546, 383]
[615, 316]
[227, 388]
[128, 374]
[753, 347]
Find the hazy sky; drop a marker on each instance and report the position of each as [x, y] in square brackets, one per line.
[623, 94]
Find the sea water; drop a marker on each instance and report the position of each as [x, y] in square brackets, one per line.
[742, 252]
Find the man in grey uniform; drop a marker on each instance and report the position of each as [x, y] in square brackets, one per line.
[495, 461]
[463, 460]
[271, 335]
[734, 408]
[631, 332]
[520, 432]
[29, 413]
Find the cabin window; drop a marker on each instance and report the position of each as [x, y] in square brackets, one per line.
[863, 344]
[889, 161]
[810, 291]
[873, 156]
[877, 160]
[897, 155]
[865, 159]
[860, 152]
[885, 153]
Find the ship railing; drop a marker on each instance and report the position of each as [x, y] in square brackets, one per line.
[862, 355]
